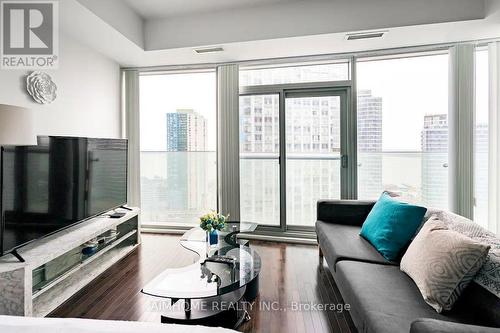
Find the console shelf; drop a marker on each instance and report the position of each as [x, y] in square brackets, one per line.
[55, 268]
[83, 263]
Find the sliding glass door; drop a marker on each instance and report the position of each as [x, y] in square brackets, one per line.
[313, 153]
[292, 152]
[259, 159]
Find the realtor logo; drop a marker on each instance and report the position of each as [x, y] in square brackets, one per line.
[29, 37]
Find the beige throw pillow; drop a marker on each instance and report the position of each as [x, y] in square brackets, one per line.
[442, 262]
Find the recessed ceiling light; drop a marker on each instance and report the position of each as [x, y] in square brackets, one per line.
[209, 49]
[365, 35]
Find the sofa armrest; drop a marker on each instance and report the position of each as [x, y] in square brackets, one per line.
[427, 325]
[349, 212]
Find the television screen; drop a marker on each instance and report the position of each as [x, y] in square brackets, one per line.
[60, 182]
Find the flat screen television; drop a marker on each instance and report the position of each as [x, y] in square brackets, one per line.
[58, 183]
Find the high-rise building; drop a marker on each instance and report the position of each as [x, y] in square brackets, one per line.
[283, 75]
[186, 131]
[435, 133]
[174, 185]
[482, 138]
[434, 145]
[312, 125]
[259, 122]
[186, 173]
[481, 174]
[369, 122]
[369, 144]
[435, 160]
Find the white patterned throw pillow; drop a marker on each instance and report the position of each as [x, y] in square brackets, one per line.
[442, 262]
[489, 275]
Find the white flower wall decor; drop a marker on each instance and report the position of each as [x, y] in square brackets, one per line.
[41, 87]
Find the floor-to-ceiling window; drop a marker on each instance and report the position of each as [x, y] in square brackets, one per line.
[291, 134]
[402, 120]
[481, 139]
[178, 146]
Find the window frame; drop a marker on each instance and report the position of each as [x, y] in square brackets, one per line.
[176, 226]
[410, 55]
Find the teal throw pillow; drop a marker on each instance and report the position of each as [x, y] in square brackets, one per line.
[391, 224]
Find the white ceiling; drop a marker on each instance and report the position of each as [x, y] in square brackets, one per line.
[302, 18]
[153, 9]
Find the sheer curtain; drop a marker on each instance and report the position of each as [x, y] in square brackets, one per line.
[130, 131]
[494, 138]
[461, 129]
[228, 141]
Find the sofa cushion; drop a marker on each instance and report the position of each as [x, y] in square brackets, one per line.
[479, 304]
[442, 263]
[382, 298]
[341, 242]
[425, 325]
[351, 212]
[391, 224]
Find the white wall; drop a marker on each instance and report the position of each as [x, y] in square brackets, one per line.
[88, 94]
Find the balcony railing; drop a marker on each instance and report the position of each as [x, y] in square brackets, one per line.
[178, 187]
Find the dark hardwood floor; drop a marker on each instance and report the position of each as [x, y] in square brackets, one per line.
[291, 275]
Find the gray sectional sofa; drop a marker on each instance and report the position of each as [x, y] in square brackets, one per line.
[382, 298]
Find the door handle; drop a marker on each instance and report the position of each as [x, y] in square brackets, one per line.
[343, 161]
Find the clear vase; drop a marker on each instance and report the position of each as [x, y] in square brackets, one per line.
[212, 238]
[212, 241]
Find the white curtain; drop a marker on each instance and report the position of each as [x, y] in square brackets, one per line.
[494, 138]
[461, 129]
[228, 173]
[131, 131]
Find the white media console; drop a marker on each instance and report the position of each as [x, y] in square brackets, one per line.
[55, 267]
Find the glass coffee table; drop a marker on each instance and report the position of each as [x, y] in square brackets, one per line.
[216, 288]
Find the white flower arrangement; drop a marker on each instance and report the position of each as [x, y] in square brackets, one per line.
[213, 221]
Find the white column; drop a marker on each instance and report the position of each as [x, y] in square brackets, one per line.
[461, 129]
[228, 152]
[131, 131]
[494, 137]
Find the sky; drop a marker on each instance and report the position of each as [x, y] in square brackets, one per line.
[410, 89]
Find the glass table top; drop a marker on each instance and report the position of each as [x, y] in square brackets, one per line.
[206, 278]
